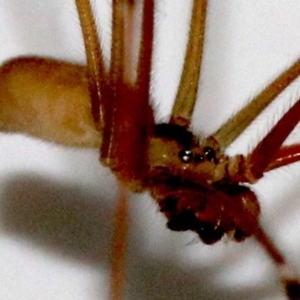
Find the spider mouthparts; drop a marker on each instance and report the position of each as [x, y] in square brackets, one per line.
[185, 220]
[240, 235]
[209, 233]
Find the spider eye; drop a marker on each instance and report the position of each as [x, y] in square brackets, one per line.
[198, 158]
[185, 155]
[209, 153]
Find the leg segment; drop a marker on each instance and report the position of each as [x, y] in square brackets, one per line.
[238, 123]
[285, 271]
[188, 88]
[264, 153]
[284, 156]
[246, 212]
[128, 112]
[128, 117]
[94, 57]
[118, 274]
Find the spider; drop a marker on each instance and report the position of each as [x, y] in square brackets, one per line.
[184, 219]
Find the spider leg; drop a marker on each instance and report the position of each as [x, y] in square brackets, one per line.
[94, 57]
[188, 87]
[125, 112]
[285, 271]
[129, 116]
[119, 242]
[284, 156]
[237, 124]
[263, 154]
[97, 84]
[246, 214]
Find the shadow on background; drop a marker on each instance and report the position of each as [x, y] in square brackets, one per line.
[73, 221]
[66, 218]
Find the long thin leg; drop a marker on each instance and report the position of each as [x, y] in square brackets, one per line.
[146, 49]
[118, 274]
[284, 156]
[263, 154]
[94, 57]
[101, 111]
[130, 117]
[114, 82]
[247, 218]
[237, 124]
[129, 113]
[285, 271]
[188, 88]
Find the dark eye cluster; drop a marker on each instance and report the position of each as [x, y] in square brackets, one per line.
[187, 155]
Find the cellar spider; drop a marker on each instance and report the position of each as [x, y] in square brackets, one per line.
[210, 295]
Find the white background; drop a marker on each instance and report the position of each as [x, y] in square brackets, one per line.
[57, 204]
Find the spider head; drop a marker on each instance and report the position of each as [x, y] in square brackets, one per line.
[181, 178]
[177, 150]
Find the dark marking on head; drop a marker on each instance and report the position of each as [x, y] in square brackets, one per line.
[176, 133]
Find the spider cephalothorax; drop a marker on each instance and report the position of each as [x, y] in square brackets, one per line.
[184, 179]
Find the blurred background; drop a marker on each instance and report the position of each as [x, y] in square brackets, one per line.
[57, 204]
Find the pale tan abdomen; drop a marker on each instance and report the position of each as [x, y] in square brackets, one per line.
[47, 99]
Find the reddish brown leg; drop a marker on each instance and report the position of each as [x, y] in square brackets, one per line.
[127, 109]
[284, 156]
[286, 273]
[119, 242]
[121, 104]
[129, 118]
[266, 156]
[264, 153]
